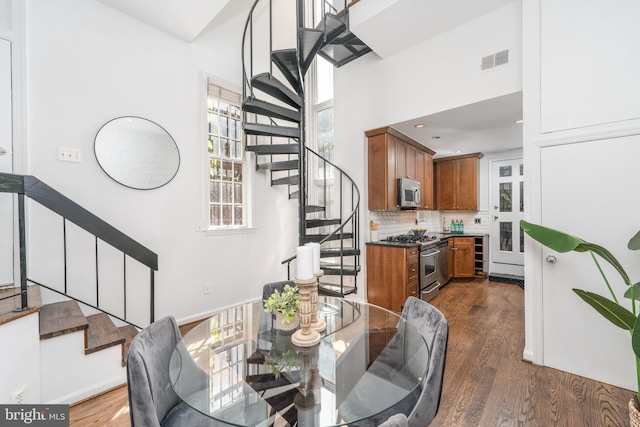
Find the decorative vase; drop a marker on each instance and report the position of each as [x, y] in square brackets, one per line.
[281, 325]
[634, 413]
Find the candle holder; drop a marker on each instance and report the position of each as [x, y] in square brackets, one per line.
[316, 323]
[306, 336]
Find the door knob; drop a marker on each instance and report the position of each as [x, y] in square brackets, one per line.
[495, 217]
[495, 207]
[551, 259]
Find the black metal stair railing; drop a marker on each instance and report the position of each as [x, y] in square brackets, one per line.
[28, 186]
[274, 119]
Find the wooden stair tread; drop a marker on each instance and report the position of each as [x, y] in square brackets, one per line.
[61, 318]
[7, 306]
[101, 334]
[129, 332]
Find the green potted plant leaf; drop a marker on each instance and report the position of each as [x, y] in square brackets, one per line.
[610, 309]
[285, 305]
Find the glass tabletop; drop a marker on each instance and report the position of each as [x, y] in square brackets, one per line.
[236, 368]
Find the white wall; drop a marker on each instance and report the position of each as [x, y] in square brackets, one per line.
[579, 149]
[436, 75]
[20, 358]
[88, 63]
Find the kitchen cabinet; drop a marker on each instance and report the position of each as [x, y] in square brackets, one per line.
[393, 155]
[457, 182]
[392, 275]
[461, 257]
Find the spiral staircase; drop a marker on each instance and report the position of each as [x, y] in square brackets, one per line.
[274, 119]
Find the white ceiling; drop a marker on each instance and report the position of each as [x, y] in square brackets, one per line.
[387, 26]
[390, 26]
[185, 19]
[487, 126]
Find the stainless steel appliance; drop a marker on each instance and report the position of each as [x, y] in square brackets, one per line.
[433, 269]
[433, 262]
[408, 193]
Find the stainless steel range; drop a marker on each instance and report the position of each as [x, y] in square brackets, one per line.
[433, 261]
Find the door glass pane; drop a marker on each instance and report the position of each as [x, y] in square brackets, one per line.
[505, 171]
[506, 241]
[521, 240]
[521, 169]
[521, 196]
[505, 197]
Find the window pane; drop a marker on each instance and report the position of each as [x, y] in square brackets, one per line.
[237, 172]
[213, 124]
[325, 133]
[521, 170]
[224, 126]
[214, 215]
[214, 169]
[214, 188]
[227, 192]
[238, 215]
[521, 196]
[226, 215]
[505, 197]
[506, 243]
[227, 171]
[325, 80]
[505, 171]
[237, 193]
[224, 108]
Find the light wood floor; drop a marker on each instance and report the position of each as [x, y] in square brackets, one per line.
[486, 381]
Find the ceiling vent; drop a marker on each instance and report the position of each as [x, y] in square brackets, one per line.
[495, 60]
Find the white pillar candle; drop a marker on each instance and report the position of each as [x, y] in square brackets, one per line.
[305, 263]
[316, 255]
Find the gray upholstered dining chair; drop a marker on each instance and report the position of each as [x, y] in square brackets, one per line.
[152, 401]
[397, 420]
[267, 319]
[435, 329]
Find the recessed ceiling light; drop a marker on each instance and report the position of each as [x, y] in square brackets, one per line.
[458, 151]
[419, 125]
[435, 137]
[519, 121]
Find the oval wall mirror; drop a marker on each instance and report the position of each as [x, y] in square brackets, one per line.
[137, 153]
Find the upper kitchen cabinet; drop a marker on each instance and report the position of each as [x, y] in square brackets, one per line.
[457, 182]
[393, 155]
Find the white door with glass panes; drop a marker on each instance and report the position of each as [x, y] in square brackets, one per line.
[6, 199]
[507, 207]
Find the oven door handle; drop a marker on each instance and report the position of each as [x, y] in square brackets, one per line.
[430, 254]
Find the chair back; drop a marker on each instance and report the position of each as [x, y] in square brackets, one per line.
[435, 330]
[150, 394]
[268, 289]
[397, 420]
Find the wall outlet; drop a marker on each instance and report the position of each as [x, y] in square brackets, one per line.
[73, 155]
[199, 226]
[206, 289]
[477, 220]
[19, 396]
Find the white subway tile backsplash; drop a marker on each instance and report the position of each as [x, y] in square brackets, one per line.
[391, 223]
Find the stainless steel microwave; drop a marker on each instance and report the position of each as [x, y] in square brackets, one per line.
[408, 193]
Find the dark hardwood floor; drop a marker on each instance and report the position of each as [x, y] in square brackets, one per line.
[486, 381]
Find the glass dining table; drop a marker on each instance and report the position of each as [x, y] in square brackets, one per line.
[235, 367]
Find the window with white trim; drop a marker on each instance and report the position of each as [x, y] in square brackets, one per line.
[227, 178]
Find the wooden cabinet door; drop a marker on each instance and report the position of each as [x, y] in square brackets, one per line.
[467, 184]
[410, 163]
[445, 177]
[451, 252]
[401, 159]
[387, 276]
[381, 183]
[463, 262]
[426, 192]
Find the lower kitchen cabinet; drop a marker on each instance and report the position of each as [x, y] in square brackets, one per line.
[462, 257]
[392, 275]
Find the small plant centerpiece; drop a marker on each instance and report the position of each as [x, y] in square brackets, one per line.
[610, 309]
[285, 305]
